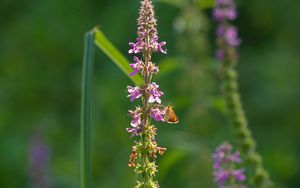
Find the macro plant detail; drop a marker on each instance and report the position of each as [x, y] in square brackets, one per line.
[226, 174]
[227, 42]
[83, 107]
[145, 149]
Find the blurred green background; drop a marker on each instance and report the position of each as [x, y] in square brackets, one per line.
[41, 48]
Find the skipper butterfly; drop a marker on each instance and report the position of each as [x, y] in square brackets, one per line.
[170, 116]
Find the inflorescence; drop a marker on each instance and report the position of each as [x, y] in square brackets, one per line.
[145, 150]
[227, 43]
[227, 34]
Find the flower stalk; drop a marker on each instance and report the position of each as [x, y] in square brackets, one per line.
[227, 43]
[145, 149]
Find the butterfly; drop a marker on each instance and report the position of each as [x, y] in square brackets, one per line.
[170, 116]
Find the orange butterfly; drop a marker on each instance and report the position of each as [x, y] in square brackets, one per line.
[170, 116]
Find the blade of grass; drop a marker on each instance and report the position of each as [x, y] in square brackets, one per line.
[95, 37]
[113, 53]
[86, 110]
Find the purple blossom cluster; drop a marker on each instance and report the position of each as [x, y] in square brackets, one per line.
[225, 10]
[146, 43]
[142, 44]
[147, 39]
[156, 112]
[227, 35]
[136, 122]
[226, 175]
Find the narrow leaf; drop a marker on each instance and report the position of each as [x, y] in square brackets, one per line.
[86, 110]
[113, 53]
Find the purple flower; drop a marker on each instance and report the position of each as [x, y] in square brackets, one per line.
[157, 114]
[231, 36]
[136, 117]
[136, 121]
[221, 176]
[225, 10]
[134, 131]
[134, 92]
[218, 14]
[137, 66]
[136, 47]
[152, 69]
[235, 157]
[155, 94]
[239, 175]
[227, 35]
[158, 46]
[224, 167]
[223, 156]
[223, 14]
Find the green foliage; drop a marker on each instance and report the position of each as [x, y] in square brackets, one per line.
[40, 79]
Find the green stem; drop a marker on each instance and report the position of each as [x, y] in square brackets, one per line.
[147, 178]
[242, 132]
[86, 110]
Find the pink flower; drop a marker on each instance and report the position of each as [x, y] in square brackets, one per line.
[224, 10]
[157, 114]
[155, 94]
[137, 66]
[136, 47]
[225, 167]
[152, 69]
[227, 35]
[136, 121]
[134, 92]
[231, 36]
[136, 116]
[157, 46]
[221, 177]
[239, 175]
[235, 157]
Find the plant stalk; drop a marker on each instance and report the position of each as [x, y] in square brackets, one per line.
[245, 140]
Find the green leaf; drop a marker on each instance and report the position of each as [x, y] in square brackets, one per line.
[86, 110]
[115, 55]
[92, 38]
